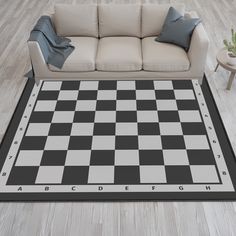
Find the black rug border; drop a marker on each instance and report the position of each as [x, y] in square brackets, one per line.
[14, 121]
[118, 196]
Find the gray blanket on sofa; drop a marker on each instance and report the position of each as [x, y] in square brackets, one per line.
[55, 49]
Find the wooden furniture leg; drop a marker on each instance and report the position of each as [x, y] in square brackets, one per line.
[231, 78]
[216, 67]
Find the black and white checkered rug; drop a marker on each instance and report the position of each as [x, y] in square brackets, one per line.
[117, 140]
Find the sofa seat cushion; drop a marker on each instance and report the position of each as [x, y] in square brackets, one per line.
[82, 58]
[119, 54]
[163, 56]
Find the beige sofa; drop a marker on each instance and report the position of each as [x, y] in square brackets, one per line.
[116, 41]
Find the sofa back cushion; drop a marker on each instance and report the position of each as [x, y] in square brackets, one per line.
[153, 17]
[119, 20]
[76, 20]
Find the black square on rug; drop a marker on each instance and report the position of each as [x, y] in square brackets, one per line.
[116, 140]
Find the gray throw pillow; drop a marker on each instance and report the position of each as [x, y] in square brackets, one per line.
[177, 29]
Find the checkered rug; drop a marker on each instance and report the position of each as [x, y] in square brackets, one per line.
[117, 140]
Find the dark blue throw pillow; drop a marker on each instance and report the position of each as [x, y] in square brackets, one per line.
[177, 29]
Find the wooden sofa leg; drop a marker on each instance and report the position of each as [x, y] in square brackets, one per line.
[200, 81]
[37, 81]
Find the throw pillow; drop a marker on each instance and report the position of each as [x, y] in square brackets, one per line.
[177, 29]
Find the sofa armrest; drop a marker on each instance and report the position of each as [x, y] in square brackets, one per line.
[198, 48]
[36, 56]
[39, 64]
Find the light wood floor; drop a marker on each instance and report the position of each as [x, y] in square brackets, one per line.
[17, 18]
